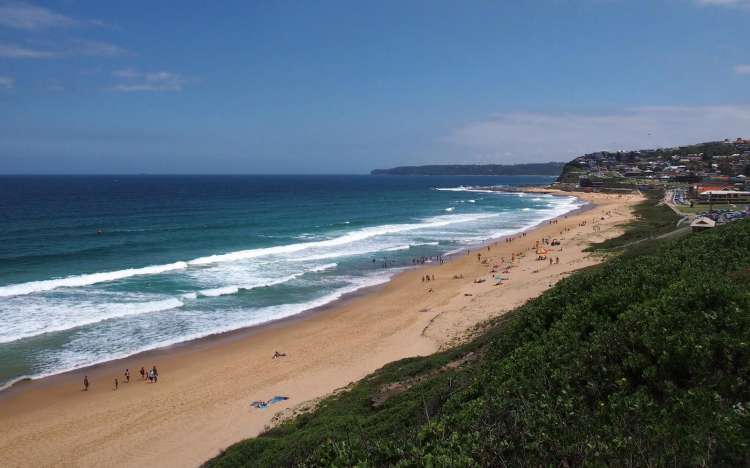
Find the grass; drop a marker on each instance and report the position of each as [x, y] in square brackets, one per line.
[654, 219]
[701, 208]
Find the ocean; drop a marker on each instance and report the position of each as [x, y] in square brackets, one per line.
[94, 268]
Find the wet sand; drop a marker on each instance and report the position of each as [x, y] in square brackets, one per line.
[201, 403]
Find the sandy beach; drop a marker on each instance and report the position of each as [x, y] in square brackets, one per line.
[201, 403]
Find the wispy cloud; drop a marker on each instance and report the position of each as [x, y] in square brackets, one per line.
[517, 137]
[95, 48]
[742, 69]
[22, 15]
[7, 83]
[8, 50]
[730, 3]
[134, 80]
[71, 48]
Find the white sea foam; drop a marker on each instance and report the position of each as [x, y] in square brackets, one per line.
[449, 209]
[349, 238]
[59, 317]
[228, 290]
[461, 188]
[86, 280]
[325, 267]
[397, 248]
[264, 315]
[223, 291]
[263, 283]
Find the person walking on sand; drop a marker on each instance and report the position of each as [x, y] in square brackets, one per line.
[156, 374]
[85, 383]
[151, 376]
[117, 384]
[127, 375]
[143, 373]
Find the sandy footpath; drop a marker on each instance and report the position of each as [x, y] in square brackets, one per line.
[201, 403]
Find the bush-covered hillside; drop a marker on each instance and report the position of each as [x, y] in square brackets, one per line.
[643, 360]
[546, 169]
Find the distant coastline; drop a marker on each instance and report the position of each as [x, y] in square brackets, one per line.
[537, 169]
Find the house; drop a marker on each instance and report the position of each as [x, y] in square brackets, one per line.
[701, 223]
[724, 196]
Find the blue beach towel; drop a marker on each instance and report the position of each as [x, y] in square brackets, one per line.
[266, 404]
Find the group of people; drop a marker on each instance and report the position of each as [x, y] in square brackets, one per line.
[427, 278]
[152, 375]
[424, 259]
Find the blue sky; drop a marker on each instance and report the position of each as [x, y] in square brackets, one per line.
[344, 87]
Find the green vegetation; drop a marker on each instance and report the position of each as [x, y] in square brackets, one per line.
[643, 360]
[547, 169]
[704, 207]
[709, 150]
[571, 173]
[654, 219]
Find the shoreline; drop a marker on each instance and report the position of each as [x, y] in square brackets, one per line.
[201, 400]
[19, 383]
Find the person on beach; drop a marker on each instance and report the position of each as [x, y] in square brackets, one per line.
[127, 375]
[85, 383]
[156, 374]
[143, 373]
[117, 384]
[151, 376]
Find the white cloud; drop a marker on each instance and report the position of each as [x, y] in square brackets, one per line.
[127, 73]
[21, 15]
[742, 69]
[520, 137]
[7, 83]
[94, 48]
[735, 3]
[71, 48]
[133, 80]
[22, 52]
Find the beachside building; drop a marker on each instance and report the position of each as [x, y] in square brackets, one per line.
[724, 196]
[702, 223]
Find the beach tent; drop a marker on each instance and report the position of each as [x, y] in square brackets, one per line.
[702, 223]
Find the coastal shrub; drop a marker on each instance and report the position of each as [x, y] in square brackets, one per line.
[642, 360]
[654, 219]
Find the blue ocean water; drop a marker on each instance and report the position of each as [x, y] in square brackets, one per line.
[94, 268]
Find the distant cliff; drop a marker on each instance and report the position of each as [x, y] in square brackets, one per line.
[546, 169]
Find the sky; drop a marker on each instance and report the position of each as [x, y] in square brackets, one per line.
[342, 87]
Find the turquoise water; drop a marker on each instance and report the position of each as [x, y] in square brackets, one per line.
[96, 268]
